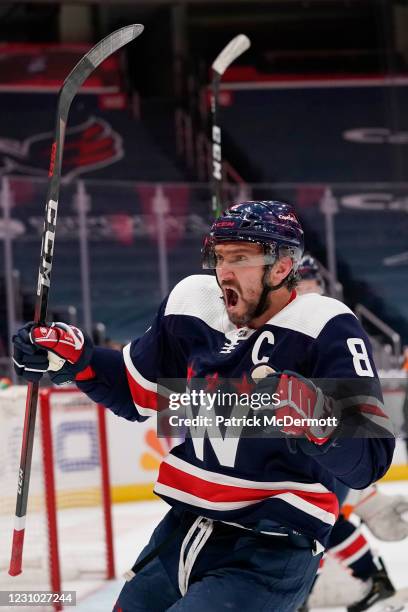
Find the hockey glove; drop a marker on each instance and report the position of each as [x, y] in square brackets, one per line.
[30, 362]
[385, 515]
[303, 409]
[62, 350]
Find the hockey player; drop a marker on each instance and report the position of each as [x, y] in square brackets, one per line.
[249, 515]
[352, 575]
[382, 514]
[310, 279]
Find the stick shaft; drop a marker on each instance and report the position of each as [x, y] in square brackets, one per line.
[70, 88]
[216, 148]
[229, 54]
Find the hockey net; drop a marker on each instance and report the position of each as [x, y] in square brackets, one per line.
[68, 540]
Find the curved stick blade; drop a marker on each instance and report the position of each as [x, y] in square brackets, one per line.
[100, 52]
[234, 49]
[113, 42]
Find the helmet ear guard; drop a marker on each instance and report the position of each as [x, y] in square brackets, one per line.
[294, 253]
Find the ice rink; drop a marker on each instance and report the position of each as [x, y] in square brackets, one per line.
[133, 524]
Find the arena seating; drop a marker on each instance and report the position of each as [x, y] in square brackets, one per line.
[101, 143]
[339, 133]
[294, 132]
[122, 247]
[364, 241]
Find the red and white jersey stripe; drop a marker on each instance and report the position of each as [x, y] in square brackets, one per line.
[208, 490]
[144, 392]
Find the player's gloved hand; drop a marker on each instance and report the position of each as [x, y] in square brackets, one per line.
[30, 362]
[300, 403]
[384, 514]
[66, 348]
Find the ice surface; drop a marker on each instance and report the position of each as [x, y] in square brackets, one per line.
[135, 522]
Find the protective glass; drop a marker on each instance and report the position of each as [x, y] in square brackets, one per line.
[237, 259]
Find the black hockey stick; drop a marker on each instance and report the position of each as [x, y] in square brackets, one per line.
[106, 47]
[234, 49]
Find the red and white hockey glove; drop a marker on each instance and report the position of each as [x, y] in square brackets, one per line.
[303, 409]
[63, 350]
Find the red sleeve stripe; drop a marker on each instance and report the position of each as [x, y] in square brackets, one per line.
[144, 401]
[87, 374]
[372, 409]
[367, 404]
[144, 392]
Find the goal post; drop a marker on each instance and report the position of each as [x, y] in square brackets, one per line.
[69, 535]
[46, 446]
[93, 415]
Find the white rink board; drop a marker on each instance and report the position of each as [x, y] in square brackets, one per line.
[134, 461]
[126, 443]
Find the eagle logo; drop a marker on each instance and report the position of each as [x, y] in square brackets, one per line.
[89, 146]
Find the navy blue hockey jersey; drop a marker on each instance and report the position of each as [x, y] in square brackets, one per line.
[256, 483]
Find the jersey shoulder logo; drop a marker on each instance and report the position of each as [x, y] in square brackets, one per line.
[236, 337]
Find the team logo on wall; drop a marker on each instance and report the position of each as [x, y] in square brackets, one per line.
[90, 146]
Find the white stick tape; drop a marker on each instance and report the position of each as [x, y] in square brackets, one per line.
[234, 49]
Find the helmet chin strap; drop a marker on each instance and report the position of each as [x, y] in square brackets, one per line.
[262, 305]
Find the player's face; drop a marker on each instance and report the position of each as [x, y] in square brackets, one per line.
[240, 269]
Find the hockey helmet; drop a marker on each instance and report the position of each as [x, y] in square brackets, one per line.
[309, 270]
[272, 224]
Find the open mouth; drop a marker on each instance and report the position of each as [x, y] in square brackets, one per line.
[231, 297]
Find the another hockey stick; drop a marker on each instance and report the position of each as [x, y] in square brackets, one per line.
[234, 49]
[100, 52]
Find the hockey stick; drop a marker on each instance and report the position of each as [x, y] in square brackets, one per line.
[69, 89]
[234, 49]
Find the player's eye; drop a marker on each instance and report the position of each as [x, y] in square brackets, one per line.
[240, 259]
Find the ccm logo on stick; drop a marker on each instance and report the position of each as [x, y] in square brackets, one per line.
[44, 277]
[216, 153]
